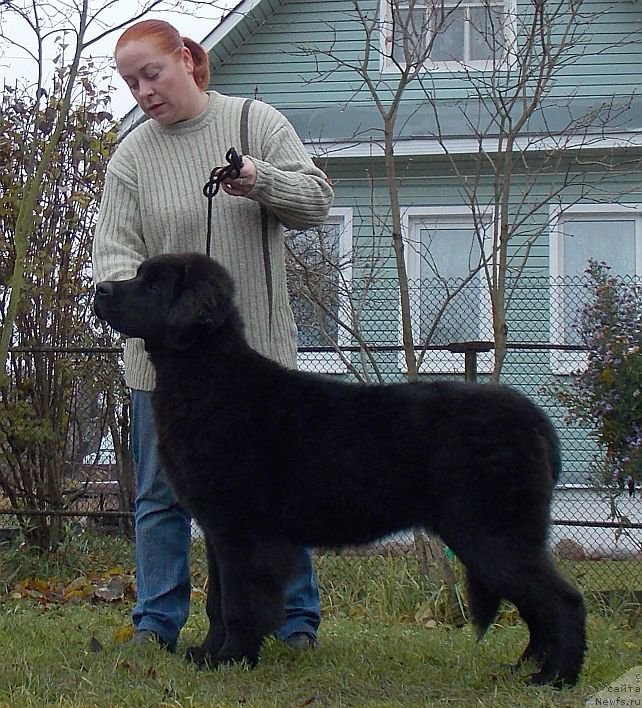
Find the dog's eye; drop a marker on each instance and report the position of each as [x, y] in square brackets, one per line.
[152, 285]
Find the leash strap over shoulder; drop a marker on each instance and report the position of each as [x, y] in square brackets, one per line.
[267, 263]
[231, 171]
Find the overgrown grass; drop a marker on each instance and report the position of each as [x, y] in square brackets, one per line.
[80, 554]
[385, 586]
[603, 576]
[381, 587]
[395, 579]
[382, 644]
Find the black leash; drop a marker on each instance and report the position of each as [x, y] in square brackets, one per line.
[217, 176]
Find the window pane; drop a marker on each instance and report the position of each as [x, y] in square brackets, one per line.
[486, 33]
[319, 253]
[448, 44]
[609, 240]
[449, 252]
[409, 29]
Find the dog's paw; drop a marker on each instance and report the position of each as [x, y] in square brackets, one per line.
[546, 677]
[202, 658]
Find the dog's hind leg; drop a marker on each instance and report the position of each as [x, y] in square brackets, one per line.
[253, 572]
[552, 609]
[484, 605]
[556, 618]
[482, 602]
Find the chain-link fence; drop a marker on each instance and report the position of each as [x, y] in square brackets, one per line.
[597, 528]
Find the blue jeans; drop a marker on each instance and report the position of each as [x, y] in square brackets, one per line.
[163, 537]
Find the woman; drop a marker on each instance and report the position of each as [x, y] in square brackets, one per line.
[153, 203]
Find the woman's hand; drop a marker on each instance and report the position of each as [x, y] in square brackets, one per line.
[243, 184]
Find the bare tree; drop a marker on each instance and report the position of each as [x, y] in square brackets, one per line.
[519, 134]
[522, 137]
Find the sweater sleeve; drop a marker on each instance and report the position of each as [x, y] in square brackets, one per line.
[288, 182]
[118, 247]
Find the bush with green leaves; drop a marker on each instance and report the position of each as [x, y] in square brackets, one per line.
[606, 394]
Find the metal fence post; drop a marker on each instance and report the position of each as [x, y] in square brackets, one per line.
[470, 350]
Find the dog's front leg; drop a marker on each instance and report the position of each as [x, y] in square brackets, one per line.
[253, 572]
[207, 653]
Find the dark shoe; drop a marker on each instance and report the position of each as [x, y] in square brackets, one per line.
[301, 641]
[146, 636]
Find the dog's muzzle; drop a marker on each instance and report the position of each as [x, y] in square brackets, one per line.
[103, 291]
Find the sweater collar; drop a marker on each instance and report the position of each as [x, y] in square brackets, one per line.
[192, 124]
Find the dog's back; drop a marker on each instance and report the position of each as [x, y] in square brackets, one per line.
[371, 460]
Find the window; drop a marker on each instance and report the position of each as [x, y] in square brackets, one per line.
[608, 233]
[471, 33]
[319, 281]
[449, 296]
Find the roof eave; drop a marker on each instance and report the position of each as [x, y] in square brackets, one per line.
[350, 149]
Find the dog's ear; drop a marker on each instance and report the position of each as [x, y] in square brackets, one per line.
[201, 304]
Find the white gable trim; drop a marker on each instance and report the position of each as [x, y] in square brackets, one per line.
[229, 21]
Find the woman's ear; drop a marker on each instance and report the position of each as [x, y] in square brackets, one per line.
[188, 60]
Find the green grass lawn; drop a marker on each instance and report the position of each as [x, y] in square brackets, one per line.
[51, 656]
[382, 641]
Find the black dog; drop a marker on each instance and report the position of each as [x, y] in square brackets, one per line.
[268, 459]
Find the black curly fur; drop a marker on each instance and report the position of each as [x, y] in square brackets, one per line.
[268, 460]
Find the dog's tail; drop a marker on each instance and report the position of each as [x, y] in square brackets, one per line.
[555, 455]
[553, 447]
[483, 604]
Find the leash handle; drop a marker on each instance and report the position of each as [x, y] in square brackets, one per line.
[211, 188]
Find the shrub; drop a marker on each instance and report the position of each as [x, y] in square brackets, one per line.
[607, 394]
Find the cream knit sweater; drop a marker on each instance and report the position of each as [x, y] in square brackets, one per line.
[153, 203]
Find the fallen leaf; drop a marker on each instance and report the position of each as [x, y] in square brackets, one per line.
[124, 634]
[94, 645]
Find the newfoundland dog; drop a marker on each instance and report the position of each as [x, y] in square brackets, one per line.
[268, 459]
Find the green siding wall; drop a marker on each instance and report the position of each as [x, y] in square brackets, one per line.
[430, 182]
[278, 64]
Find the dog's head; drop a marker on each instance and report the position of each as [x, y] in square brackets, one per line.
[172, 301]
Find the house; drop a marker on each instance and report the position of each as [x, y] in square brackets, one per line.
[515, 144]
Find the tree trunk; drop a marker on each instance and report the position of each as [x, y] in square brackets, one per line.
[434, 564]
[430, 549]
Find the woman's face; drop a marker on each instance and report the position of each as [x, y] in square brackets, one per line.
[162, 84]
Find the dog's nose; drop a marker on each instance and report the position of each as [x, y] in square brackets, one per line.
[105, 288]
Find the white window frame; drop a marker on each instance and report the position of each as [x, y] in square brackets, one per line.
[387, 65]
[332, 362]
[565, 362]
[443, 361]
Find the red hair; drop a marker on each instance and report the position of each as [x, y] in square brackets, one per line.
[167, 39]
